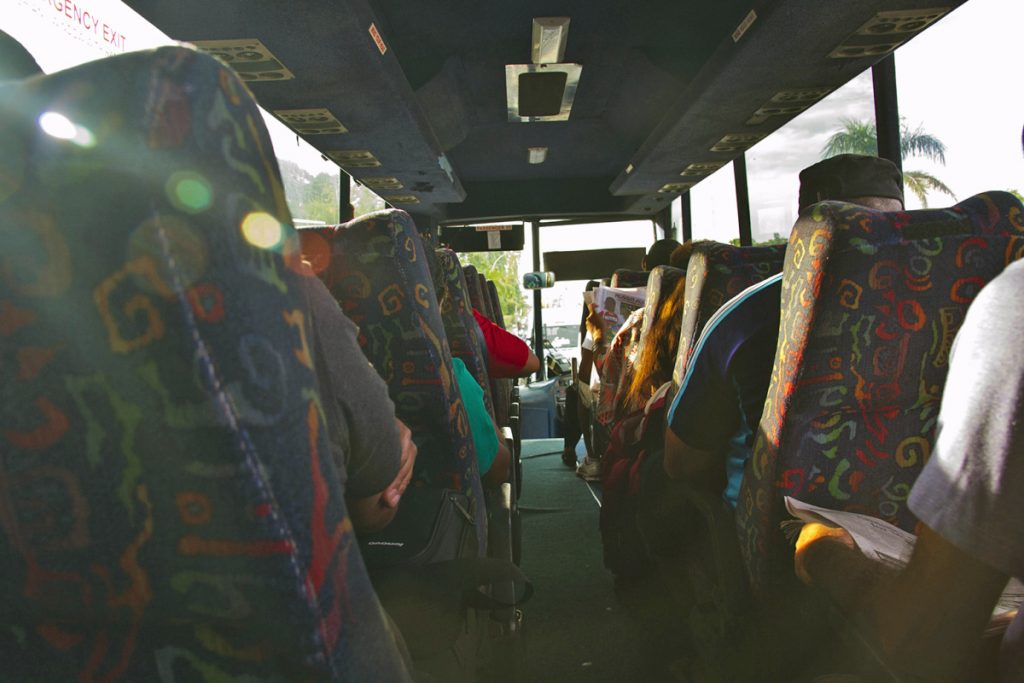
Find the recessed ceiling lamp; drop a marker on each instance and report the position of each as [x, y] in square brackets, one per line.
[538, 155]
[549, 37]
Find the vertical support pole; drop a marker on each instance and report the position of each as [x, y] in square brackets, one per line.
[345, 210]
[663, 220]
[887, 111]
[686, 212]
[739, 169]
[538, 317]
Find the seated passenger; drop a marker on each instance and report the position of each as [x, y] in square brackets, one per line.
[717, 409]
[654, 363]
[611, 362]
[660, 253]
[577, 415]
[372, 448]
[929, 618]
[507, 354]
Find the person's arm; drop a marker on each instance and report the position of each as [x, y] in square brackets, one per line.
[928, 619]
[499, 472]
[374, 512]
[507, 354]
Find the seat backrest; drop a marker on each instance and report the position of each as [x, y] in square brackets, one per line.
[485, 298]
[464, 336]
[716, 273]
[624, 277]
[492, 293]
[380, 277]
[168, 506]
[476, 294]
[871, 302]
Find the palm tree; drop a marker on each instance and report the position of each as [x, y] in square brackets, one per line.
[861, 137]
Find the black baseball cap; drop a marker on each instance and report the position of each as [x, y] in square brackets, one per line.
[847, 176]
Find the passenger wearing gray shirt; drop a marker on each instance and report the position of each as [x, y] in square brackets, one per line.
[371, 448]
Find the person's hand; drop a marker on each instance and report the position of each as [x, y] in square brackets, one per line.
[393, 493]
[596, 325]
[818, 540]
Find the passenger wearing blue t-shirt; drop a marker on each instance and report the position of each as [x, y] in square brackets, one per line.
[713, 420]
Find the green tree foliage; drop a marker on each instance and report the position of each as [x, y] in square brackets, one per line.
[861, 137]
[310, 197]
[503, 268]
[1017, 194]
[364, 201]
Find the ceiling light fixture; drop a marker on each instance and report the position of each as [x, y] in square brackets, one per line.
[538, 155]
[549, 37]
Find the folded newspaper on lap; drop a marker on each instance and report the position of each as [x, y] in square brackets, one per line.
[886, 543]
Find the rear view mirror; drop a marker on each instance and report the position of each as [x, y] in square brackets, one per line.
[538, 280]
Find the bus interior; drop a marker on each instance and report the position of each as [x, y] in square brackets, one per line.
[163, 403]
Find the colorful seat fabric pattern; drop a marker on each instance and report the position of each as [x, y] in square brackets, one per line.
[476, 294]
[168, 508]
[716, 273]
[464, 336]
[380, 277]
[501, 387]
[871, 303]
[492, 293]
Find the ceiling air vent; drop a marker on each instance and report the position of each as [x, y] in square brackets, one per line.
[310, 121]
[702, 168]
[381, 183]
[249, 57]
[354, 158]
[886, 31]
[787, 103]
[736, 142]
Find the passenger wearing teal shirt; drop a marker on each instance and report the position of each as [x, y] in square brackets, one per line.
[485, 439]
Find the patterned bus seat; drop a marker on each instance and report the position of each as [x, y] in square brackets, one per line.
[716, 273]
[492, 293]
[871, 303]
[464, 336]
[379, 275]
[476, 294]
[168, 507]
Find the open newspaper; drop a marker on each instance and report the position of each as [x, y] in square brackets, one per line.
[886, 543]
[615, 304]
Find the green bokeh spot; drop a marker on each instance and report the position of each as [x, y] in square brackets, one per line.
[190, 192]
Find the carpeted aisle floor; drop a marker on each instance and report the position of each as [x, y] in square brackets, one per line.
[578, 627]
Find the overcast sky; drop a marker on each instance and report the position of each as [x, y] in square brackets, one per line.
[960, 79]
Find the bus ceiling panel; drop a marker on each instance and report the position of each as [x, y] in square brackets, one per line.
[341, 61]
[786, 56]
[588, 148]
[535, 199]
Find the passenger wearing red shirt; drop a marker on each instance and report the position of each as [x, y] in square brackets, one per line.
[507, 354]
